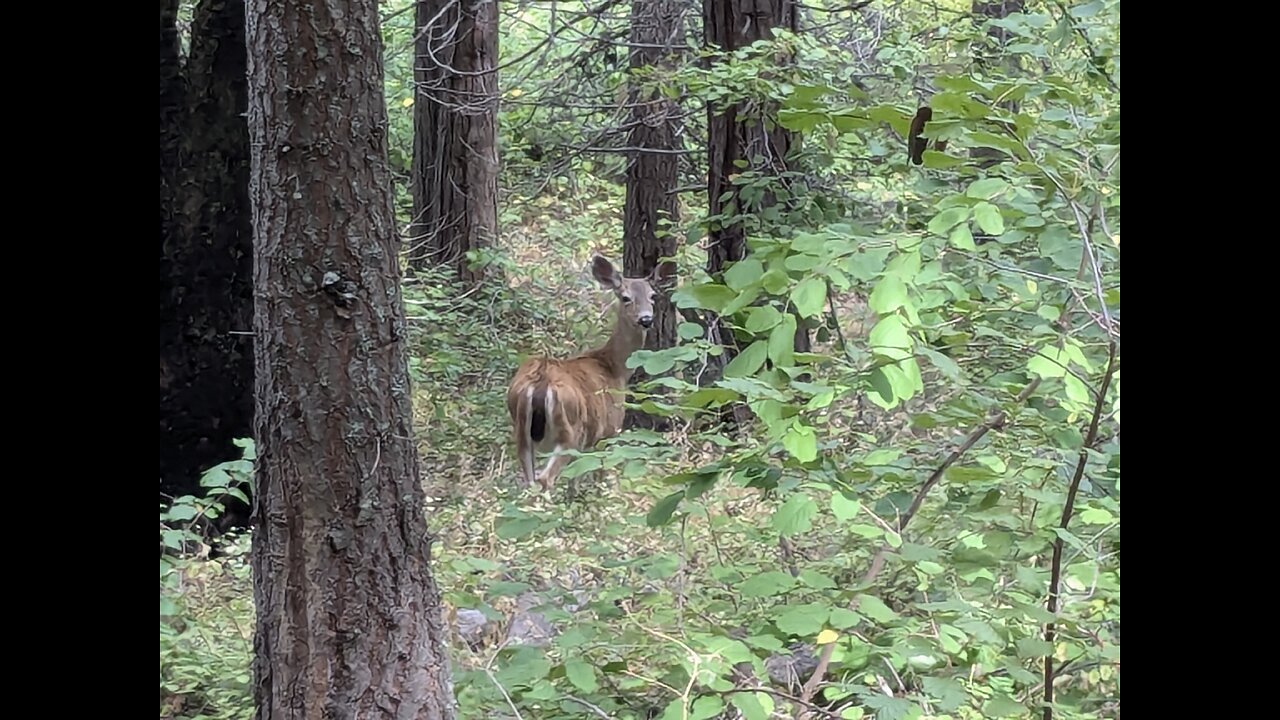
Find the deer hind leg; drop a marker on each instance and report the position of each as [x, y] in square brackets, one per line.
[524, 450]
[565, 440]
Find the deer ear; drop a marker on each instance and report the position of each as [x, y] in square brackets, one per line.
[605, 274]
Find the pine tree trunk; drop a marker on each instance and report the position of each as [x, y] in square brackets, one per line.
[735, 139]
[206, 248]
[349, 617]
[651, 208]
[455, 146]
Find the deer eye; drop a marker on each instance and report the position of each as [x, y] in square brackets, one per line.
[653, 296]
[626, 298]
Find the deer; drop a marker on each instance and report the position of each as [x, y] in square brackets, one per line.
[572, 404]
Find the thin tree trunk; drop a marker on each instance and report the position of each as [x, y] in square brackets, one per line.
[737, 139]
[657, 30]
[349, 618]
[206, 249]
[989, 58]
[455, 145]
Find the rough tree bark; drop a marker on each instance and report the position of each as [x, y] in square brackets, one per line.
[349, 618]
[735, 137]
[657, 30]
[455, 145]
[206, 244]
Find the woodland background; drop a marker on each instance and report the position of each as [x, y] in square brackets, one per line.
[873, 466]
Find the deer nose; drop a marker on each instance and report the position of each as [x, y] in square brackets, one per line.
[645, 320]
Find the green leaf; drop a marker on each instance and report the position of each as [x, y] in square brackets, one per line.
[689, 331]
[712, 296]
[753, 705]
[743, 273]
[582, 675]
[874, 608]
[947, 219]
[989, 218]
[762, 318]
[949, 693]
[843, 507]
[986, 188]
[1096, 516]
[889, 338]
[962, 237]
[802, 443]
[661, 513]
[749, 361]
[775, 281]
[809, 296]
[889, 295]
[182, 511]
[803, 620]
[767, 584]
[782, 342]
[795, 516]
[1003, 706]
[705, 707]
[1033, 648]
[842, 618]
[519, 527]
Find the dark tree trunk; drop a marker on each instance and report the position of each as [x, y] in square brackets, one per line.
[657, 30]
[735, 138]
[206, 262]
[455, 144]
[349, 617]
[990, 57]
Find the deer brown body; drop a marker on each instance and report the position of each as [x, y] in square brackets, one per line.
[574, 403]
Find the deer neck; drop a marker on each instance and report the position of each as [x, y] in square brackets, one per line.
[626, 339]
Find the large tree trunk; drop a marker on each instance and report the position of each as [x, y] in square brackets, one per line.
[349, 618]
[736, 137]
[657, 30]
[206, 262]
[455, 144]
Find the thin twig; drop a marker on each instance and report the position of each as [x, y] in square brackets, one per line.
[1056, 572]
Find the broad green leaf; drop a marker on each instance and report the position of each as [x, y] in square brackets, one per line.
[744, 299]
[795, 516]
[1033, 648]
[802, 443]
[986, 188]
[816, 580]
[826, 637]
[989, 218]
[949, 693]
[753, 705]
[775, 281]
[843, 507]
[962, 237]
[804, 620]
[705, 707]
[661, 513]
[874, 608]
[743, 273]
[514, 528]
[842, 618]
[762, 318]
[782, 342]
[1096, 516]
[713, 297]
[889, 338]
[809, 296]
[1050, 362]
[689, 331]
[582, 675]
[749, 361]
[947, 219]
[1002, 706]
[766, 584]
[889, 295]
